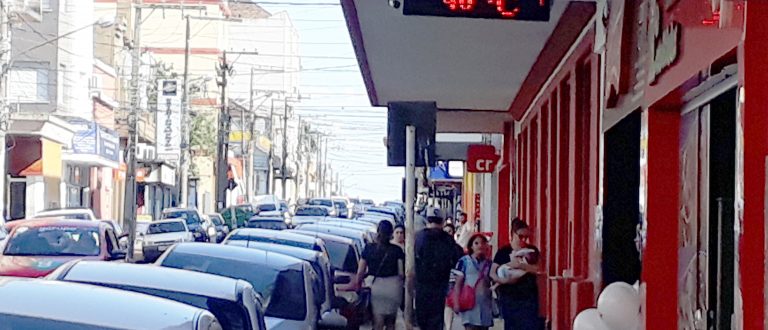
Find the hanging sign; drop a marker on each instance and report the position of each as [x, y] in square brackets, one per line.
[168, 115]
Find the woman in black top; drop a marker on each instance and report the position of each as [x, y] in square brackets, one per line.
[383, 263]
[518, 291]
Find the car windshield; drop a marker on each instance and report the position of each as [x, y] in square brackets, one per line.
[268, 223]
[166, 227]
[267, 208]
[342, 256]
[54, 241]
[354, 201]
[188, 216]
[368, 202]
[340, 205]
[321, 202]
[290, 303]
[312, 211]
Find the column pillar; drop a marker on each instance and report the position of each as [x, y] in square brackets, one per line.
[755, 127]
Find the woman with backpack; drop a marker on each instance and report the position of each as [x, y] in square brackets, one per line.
[383, 264]
[471, 295]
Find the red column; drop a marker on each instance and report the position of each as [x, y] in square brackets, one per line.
[660, 260]
[504, 184]
[755, 121]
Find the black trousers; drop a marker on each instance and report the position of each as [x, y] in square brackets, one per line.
[430, 305]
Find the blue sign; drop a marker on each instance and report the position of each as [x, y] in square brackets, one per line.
[93, 139]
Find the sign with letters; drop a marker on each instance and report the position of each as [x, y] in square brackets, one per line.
[481, 158]
[168, 124]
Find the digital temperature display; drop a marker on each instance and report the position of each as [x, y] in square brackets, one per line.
[519, 10]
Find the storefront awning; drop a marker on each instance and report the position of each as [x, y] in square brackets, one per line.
[461, 63]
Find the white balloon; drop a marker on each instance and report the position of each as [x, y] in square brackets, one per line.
[589, 319]
[619, 306]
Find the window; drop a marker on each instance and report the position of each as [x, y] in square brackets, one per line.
[47, 8]
[28, 86]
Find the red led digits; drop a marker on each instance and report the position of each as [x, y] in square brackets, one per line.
[501, 7]
[463, 5]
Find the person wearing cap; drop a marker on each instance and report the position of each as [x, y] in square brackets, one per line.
[436, 255]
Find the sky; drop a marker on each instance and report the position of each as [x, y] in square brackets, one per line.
[338, 103]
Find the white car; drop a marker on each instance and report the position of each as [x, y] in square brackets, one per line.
[71, 213]
[161, 235]
[310, 214]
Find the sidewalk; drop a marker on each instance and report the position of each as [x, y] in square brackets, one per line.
[497, 324]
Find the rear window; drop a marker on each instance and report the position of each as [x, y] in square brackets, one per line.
[342, 256]
[321, 202]
[290, 303]
[188, 216]
[230, 314]
[165, 227]
[217, 221]
[270, 224]
[312, 211]
[266, 208]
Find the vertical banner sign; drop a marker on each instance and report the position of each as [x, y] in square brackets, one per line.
[168, 123]
[477, 207]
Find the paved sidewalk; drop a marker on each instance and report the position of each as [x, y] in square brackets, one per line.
[498, 324]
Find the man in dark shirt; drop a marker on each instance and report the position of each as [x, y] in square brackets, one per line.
[436, 254]
[518, 292]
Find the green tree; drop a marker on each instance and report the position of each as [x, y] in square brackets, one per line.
[202, 134]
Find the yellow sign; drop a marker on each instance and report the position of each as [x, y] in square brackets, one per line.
[237, 136]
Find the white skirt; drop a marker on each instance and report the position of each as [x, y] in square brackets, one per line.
[386, 295]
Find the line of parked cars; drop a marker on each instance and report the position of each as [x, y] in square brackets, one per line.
[266, 274]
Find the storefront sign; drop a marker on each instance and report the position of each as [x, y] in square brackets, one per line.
[84, 140]
[109, 144]
[168, 124]
[92, 139]
[481, 158]
[664, 42]
[477, 206]
[521, 10]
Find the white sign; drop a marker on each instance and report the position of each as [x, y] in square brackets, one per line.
[168, 124]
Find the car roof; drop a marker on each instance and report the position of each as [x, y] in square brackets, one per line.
[89, 304]
[154, 277]
[48, 222]
[324, 236]
[67, 210]
[166, 221]
[180, 209]
[333, 229]
[267, 259]
[277, 234]
[296, 252]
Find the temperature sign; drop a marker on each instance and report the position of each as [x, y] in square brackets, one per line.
[520, 10]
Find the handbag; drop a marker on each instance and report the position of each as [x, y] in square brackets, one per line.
[466, 294]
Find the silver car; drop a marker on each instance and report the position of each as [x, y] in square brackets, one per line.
[45, 304]
[234, 302]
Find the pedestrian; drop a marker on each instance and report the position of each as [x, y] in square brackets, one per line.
[436, 255]
[399, 236]
[383, 263]
[474, 271]
[517, 289]
[465, 230]
[448, 228]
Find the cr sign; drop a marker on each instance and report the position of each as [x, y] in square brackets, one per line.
[481, 158]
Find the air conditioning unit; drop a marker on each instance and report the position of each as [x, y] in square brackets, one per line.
[145, 152]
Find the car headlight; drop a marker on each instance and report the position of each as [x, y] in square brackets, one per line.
[211, 231]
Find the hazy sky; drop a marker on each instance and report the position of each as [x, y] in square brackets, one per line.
[338, 101]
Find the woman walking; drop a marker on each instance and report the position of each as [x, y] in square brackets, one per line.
[383, 263]
[475, 268]
[399, 236]
[518, 291]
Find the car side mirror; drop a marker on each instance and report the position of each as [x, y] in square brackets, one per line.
[332, 320]
[342, 279]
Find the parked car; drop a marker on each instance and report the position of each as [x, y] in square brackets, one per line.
[367, 228]
[386, 211]
[44, 304]
[76, 213]
[367, 203]
[360, 237]
[356, 205]
[342, 206]
[278, 237]
[284, 282]
[222, 229]
[160, 235]
[36, 247]
[267, 222]
[234, 302]
[327, 202]
[319, 262]
[201, 230]
[310, 214]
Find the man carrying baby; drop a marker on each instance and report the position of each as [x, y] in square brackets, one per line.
[517, 289]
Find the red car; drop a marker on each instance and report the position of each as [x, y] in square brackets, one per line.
[35, 248]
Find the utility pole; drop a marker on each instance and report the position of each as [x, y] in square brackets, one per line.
[5, 62]
[410, 247]
[283, 167]
[222, 148]
[129, 213]
[247, 147]
[270, 172]
[185, 107]
[325, 169]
